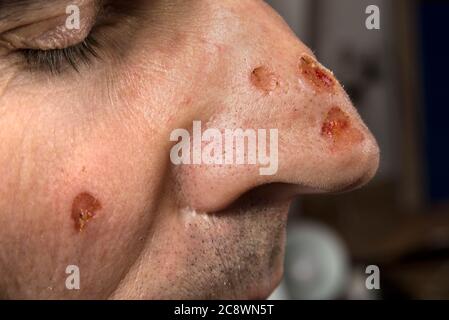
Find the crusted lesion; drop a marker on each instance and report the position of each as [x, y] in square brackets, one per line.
[335, 124]
[84, 209]
[320, 77]
[338, 129]
[264, 79]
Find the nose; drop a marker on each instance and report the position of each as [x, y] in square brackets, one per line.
[274, 90]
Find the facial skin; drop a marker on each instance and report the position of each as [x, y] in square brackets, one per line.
[159, 230]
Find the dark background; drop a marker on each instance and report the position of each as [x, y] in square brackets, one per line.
[398, 78]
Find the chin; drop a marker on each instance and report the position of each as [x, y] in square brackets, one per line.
[264, 289]
[237, 253]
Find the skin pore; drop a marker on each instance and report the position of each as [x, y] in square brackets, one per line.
[86, 177]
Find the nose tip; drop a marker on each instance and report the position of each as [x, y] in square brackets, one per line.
[351, 142]
[324, 146]
[370, 162]
[347, 155]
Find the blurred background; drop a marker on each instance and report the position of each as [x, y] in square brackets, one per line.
[397, 77]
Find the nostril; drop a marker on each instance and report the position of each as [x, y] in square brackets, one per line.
[267, 195]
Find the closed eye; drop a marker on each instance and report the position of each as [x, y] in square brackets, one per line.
[57, 61]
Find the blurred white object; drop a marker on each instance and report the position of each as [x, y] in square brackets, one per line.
[316, 264]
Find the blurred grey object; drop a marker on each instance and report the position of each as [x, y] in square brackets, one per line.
[316, 264]
[297, 14]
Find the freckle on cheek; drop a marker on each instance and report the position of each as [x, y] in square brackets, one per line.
[84, 208]
[337, 128]
[264, 79]
[315, 74]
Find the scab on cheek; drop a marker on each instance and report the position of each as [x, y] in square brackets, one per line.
[84, 208]
[315, 74]
[338, 129]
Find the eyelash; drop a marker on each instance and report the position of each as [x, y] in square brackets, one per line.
[56, 61]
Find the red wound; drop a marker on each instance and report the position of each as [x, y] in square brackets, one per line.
[265, 80]
[335, 124]
[338, 128]
[315, 74]
[84, 208]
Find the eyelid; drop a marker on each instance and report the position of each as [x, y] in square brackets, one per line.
[56, 60]
[52, 33]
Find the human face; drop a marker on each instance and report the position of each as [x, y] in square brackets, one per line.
[86, 175]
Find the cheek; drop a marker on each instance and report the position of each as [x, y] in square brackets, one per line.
[76, 189]
[84, 208]
[108, 185]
